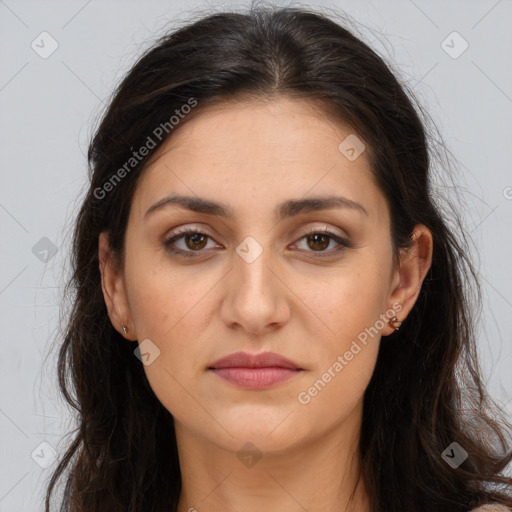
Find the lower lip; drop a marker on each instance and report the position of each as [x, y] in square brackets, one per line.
[255, 378]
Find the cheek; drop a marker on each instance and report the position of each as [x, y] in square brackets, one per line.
[348, 303]
[350, 314]
[165, 300]
[170, 309]
[346, 355]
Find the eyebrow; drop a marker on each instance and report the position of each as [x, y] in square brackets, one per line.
[285, 210]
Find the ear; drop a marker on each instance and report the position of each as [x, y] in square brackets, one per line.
[113, 287]
[407, 280]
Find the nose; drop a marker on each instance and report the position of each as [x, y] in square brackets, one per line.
[256, 298]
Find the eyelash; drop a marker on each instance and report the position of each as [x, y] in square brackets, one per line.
[177, 235]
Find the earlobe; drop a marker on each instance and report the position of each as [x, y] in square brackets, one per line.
[112, 285]
[415, 262]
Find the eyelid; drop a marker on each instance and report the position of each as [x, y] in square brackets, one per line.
[342, 240]
[321, 227]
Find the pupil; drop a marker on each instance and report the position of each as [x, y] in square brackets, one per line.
[315, 240]
[194, 240]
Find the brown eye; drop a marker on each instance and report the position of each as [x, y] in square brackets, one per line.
[195, 241]
[192, 241]
[319, 241]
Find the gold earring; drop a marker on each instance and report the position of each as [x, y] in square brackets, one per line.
[395, 323]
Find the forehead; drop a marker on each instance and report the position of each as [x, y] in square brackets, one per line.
[262, 152]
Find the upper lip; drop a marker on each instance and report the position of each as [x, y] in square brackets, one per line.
[247, 360]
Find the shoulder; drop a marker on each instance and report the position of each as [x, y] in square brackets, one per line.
[491, 508]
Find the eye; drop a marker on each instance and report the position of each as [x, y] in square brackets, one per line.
[194, 241]
[319, 240]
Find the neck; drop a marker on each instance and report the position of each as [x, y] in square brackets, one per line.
[319, 476]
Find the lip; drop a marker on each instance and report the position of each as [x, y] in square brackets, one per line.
[255, 371]
[261, 360]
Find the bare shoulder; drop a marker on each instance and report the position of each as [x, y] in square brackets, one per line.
[491, 508]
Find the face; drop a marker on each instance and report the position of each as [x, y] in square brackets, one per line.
[315, 285]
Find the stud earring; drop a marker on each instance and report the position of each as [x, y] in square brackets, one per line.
[125, 329]
[395, 323]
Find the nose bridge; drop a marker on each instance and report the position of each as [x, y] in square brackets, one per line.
[251, 266]
[254, 296]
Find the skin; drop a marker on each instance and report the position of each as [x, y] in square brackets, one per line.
[252, 156]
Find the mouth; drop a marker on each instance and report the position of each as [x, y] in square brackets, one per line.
[255, 371]
[255, 378]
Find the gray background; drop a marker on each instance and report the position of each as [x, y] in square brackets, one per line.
[48, 109]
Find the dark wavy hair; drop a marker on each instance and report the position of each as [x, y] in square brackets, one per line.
[426, 391]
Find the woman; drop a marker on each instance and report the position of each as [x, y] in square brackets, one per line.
[270, 312]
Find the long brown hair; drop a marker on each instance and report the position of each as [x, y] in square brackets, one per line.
[426, 391]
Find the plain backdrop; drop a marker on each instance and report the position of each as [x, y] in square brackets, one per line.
[49, 103]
